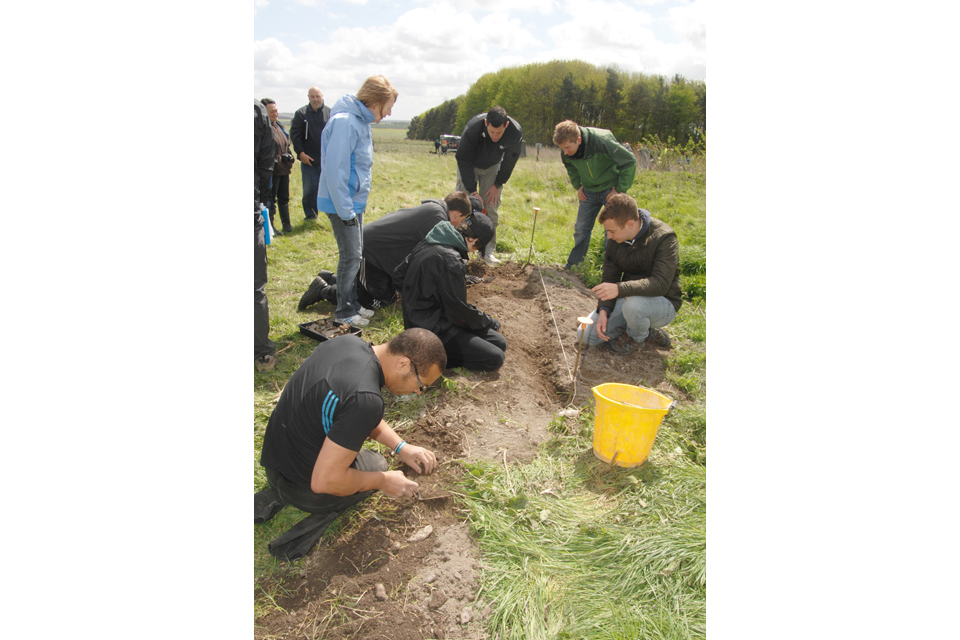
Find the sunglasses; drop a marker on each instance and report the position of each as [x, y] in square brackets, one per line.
[417, 373]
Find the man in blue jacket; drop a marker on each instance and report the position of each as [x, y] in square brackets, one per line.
[308, 123]
[488, 151]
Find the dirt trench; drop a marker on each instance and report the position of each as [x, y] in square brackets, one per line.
[429, 586]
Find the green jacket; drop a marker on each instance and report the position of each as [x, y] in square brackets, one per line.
[606, 163]
[651, 267]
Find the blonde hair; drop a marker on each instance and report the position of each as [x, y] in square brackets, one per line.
[376, 91]
[566, 131]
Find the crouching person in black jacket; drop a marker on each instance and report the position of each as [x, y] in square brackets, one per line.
[434, 294]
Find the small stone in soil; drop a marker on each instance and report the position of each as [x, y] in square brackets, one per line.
[423, 534]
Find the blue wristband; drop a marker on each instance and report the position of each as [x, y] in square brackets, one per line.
[396, 451]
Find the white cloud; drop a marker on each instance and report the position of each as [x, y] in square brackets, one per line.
[330, 6]
[434, 52]
[608, 33]
[503, 31]
[621, 34]
[690, 23]
[419, 53]
[544, 7]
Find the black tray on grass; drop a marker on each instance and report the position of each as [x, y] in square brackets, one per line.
[325, 329]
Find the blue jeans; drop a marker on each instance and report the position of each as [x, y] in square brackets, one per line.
[586, 218]
[311, 183]
[636, 315]
[350, 245]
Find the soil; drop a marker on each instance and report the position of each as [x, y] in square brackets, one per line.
[429, 586]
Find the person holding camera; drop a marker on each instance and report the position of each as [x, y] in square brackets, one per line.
[282, 166]
[346, 161]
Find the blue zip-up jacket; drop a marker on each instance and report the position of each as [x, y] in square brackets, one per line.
[346, 160]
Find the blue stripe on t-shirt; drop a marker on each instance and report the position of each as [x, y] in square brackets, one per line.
[329, 406]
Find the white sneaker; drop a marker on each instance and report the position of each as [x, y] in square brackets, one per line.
[367, 313]
[356, 320]
[491, 259]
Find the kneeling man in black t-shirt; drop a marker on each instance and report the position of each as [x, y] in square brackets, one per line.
[312, 448]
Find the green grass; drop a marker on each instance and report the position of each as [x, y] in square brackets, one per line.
[577, 549]
[572, 548]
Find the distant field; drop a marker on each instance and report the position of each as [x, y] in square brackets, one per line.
[388, 134]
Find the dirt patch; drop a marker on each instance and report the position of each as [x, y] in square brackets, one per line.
[429, 586]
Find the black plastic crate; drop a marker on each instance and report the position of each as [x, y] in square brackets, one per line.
[325, 329]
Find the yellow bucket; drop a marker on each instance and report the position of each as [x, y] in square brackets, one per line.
[626, 422]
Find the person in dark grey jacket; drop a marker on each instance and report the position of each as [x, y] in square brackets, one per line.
[305, 129]
[386, 242]
[640, 287]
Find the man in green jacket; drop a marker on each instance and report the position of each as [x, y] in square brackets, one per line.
[640, 287]
[599, 167]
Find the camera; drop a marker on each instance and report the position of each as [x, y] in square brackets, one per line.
[287, 157]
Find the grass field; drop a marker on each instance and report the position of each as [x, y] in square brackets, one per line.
[623, 551]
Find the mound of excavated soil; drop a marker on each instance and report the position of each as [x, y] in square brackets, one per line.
[429, 586]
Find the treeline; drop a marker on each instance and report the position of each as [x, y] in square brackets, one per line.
[433, 123]
[635, 106]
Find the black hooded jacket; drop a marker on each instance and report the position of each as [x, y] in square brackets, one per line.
[477, 150]
[434, 293]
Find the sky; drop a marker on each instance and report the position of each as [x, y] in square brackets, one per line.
[433, 51]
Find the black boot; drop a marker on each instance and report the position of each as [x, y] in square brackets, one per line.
[318, 290]
[285, 216]
[273, 227]
[312, 294]
[329, 276]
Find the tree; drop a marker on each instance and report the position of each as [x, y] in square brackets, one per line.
[609, 116]
[569, 99]
[634, 106]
